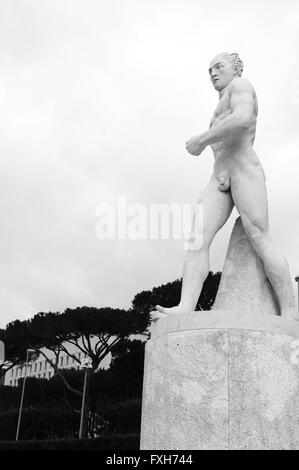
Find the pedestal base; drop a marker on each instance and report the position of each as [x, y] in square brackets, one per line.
[218, 387]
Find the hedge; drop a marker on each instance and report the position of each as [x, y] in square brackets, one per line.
[114, 442]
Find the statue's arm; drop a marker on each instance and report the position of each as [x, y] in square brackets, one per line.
[241, 118]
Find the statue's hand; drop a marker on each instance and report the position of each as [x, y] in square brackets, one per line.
[195, 145]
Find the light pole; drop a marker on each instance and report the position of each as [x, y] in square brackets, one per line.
[297, 280]
[2, 352]
[86, 364]
[28, 351]
[2, 361]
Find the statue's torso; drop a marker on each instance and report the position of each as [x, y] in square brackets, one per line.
[236, 151]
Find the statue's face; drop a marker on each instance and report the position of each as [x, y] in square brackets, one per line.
[221, 72]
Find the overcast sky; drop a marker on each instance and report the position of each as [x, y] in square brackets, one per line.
[97, 100]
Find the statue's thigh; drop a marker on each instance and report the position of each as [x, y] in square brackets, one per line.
[249, 194]
[216, 208]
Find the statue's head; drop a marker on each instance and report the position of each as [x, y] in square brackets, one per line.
[224, 68]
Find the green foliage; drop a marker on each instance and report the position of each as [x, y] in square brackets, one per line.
[9, 397]
[115, 442]
[126, 367]
[57, 331]
[17, 339]
[115, 322]
[209, 291]
[124, 379]
[121, 417]
[39, 423]
[52, 408]
[168, 295]
[47, 329]
[52, 329]
[43, 392]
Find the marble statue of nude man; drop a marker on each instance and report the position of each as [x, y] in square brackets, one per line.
[237, 180]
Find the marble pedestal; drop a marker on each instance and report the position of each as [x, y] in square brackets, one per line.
[227, 378]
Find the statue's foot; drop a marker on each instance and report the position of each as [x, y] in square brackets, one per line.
[290, 314]
[162, 312]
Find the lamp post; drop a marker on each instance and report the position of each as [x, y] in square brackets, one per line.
[2, 361]
[297, 280]
[2, 352]
[86, 364]
[28, 351]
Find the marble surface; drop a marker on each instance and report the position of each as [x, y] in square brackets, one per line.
[244, 286]
[220, 389]
[228, 319]
[226, 378]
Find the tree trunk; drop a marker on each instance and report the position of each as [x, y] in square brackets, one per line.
[89, 374]
[91, 424]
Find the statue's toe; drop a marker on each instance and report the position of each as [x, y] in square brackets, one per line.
[156, 315]
[160, 309]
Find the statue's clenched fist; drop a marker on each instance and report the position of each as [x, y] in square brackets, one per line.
[195, 145]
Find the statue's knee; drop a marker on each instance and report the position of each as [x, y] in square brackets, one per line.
[257, 235]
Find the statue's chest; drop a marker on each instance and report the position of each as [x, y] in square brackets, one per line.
[222, 110]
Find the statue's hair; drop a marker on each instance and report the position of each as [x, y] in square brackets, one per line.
[235, 60]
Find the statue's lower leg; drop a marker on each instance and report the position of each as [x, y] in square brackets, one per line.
[277, 271]
[195, 271]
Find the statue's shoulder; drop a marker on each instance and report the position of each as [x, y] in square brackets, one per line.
[241, 84]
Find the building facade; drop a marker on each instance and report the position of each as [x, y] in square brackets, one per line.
[42, 369]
